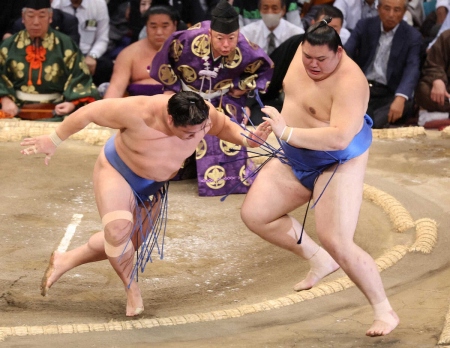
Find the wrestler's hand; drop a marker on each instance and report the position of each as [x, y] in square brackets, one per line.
[40, 144]
[275, 120]
[260, 134]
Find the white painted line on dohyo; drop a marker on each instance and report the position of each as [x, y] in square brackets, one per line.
[70, 231]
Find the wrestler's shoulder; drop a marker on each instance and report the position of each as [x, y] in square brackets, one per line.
[349, 73]
[138, 47]
[351, 69]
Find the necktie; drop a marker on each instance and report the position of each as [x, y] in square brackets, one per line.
[271, 45]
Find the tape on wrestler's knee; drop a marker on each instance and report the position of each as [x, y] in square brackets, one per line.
[111, 250]
[116, 251]
[117, 215]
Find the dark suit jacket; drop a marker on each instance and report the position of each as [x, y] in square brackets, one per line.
[61, 21]
[9, 12]
[191, 11]
[403, 69]
[282, 57]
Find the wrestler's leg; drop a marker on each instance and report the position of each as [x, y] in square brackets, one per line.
[108, 186]
[60, 263]
[275, 193]
[115, 203]
[336, 218]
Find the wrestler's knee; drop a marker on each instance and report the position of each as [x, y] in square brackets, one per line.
[341, 251]
[249, 217]
[117, 227]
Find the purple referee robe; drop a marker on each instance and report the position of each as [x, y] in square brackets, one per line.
[185, 63]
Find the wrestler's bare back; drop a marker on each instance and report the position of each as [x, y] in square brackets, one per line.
[147, 140]
[150, 149]
[313, 104]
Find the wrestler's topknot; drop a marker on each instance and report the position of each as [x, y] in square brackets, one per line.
[321, 33]
[187, 109]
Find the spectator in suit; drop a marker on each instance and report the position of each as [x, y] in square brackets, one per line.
[249, 12]
[354, 10]
[272, 30]
[432, 93]
[93, 26]
[387, 50]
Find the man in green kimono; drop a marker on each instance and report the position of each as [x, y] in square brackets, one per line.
[40, 65]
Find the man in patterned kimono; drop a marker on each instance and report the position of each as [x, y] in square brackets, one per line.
[211, 58]
[41, 65]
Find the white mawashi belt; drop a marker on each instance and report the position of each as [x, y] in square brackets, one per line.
[207, 96]
[37, 97]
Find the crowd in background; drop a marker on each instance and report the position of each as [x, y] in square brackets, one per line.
[409, 84]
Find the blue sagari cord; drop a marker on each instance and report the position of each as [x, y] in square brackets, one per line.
[150, 238]
[271, 152]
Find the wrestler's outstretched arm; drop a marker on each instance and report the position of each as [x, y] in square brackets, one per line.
[116, 113]
[230, 131]
[46, 144]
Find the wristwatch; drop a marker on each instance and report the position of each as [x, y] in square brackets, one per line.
[93, 55]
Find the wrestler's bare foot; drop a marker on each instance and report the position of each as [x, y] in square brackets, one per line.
[322, 264]
[52, 273]
[135, 305]
[383, 326]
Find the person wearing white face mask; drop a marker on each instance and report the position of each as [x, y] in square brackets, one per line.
[272, 30]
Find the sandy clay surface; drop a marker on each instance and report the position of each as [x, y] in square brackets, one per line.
[218, 284]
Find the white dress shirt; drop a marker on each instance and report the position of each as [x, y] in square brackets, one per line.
[344, 35]
[93, 24]
[258, 33]
[445, 26]
[291, 16]
[354, 10]
[445, 3]
[378, 69]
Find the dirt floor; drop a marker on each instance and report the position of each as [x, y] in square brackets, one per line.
[218, 284]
